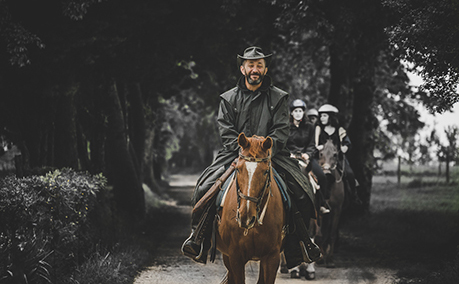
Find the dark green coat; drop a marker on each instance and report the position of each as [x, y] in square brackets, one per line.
[265, 113]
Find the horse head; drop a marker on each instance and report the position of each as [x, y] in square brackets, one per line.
[328, 157]
[253, 178]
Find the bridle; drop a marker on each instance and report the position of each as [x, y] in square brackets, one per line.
[256, 200]
[335, 168]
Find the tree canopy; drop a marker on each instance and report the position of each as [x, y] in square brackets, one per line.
[426, 34]
[131, 88]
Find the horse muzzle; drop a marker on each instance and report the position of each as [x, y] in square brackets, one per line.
[248, 224]
[326, 168]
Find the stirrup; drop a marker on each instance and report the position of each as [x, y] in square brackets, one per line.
[311, 252]
[201, 257]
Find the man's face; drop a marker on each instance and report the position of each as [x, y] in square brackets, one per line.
[324, 117]
[254, 70]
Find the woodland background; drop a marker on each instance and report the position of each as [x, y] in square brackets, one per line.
[130, 88]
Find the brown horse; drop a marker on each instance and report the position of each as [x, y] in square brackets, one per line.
[251, 223]
[328, 160]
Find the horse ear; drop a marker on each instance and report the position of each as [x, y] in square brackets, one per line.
[268, 143]
[242, 140]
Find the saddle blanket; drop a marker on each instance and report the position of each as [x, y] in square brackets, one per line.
[280, 183]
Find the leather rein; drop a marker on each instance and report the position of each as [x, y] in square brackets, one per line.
[256, 200]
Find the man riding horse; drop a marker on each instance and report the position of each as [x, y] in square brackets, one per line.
[254, 107]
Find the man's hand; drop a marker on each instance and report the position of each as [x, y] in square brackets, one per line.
[320, 147]
[344, 149]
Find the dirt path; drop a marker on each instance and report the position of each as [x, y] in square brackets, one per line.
[171, 267]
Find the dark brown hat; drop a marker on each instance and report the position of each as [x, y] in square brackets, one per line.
[253, 53]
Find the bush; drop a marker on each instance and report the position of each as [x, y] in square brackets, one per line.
[44, 224]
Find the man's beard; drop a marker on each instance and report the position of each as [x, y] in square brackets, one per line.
[254, 82]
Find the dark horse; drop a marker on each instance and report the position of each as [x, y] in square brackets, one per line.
[328, 160]
[251, 223]
[305, 269]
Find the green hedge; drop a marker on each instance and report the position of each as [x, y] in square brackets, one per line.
[45, 229]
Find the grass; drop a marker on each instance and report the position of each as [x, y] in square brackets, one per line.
[412, 228]
[117, 267]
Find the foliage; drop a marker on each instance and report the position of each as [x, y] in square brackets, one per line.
[399, 120]
[426, 34]
[45, 223]
[118, 266]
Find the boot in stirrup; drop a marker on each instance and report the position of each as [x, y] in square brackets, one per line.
[195, 251]
[311, 252]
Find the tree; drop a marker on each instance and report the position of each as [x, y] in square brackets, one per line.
[450, 152]
[426, 33]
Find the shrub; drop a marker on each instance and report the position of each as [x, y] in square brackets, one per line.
[44, 223]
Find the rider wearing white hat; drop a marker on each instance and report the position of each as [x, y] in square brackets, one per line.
[329, 128]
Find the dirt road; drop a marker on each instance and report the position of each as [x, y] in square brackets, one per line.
[170, 267]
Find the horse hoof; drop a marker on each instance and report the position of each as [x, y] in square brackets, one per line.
[294, 274]
[310, 276]
[284, 269]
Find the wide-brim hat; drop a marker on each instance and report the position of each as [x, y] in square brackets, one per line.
[253, 53]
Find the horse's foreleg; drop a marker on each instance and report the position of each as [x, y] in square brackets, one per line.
[333, 237]
[236, 270]
[268, 269]
[283, 263]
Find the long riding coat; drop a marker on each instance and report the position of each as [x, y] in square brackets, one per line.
[263, 112]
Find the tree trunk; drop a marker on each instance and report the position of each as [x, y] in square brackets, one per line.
[128, 191]
[137, 126]
[65, 134]
[340, 81]
[447, 168]
[361, 131]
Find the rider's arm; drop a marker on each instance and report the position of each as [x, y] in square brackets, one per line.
[310, 148]
[317, 141]
[345, 141]
[280, 128]
[226, 125]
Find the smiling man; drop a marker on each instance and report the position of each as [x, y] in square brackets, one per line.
[254, 107]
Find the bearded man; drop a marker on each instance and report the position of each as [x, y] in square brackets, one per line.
[254, 107]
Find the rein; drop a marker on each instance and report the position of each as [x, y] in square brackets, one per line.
[342, 172]
[256, 200]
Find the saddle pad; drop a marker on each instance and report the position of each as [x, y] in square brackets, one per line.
[283, 189]
[224, 189]
[280, 183]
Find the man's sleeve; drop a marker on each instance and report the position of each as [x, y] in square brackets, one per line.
[280, 129]
[226, 126]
